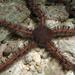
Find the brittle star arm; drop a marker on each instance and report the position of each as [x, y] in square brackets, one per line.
[32, 5]
[16, 55]
[63, 32]
[55, 52]
[24, 32]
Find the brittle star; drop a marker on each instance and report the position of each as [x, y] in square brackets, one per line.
[40, 36]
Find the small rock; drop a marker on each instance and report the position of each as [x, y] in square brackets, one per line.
[70, 73]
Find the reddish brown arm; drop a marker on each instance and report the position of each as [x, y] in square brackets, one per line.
[55, 52]
[24, 32]
[16, 55]
[64, 32]
[36, 10]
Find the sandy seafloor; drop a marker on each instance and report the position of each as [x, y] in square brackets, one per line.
[38, 61]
